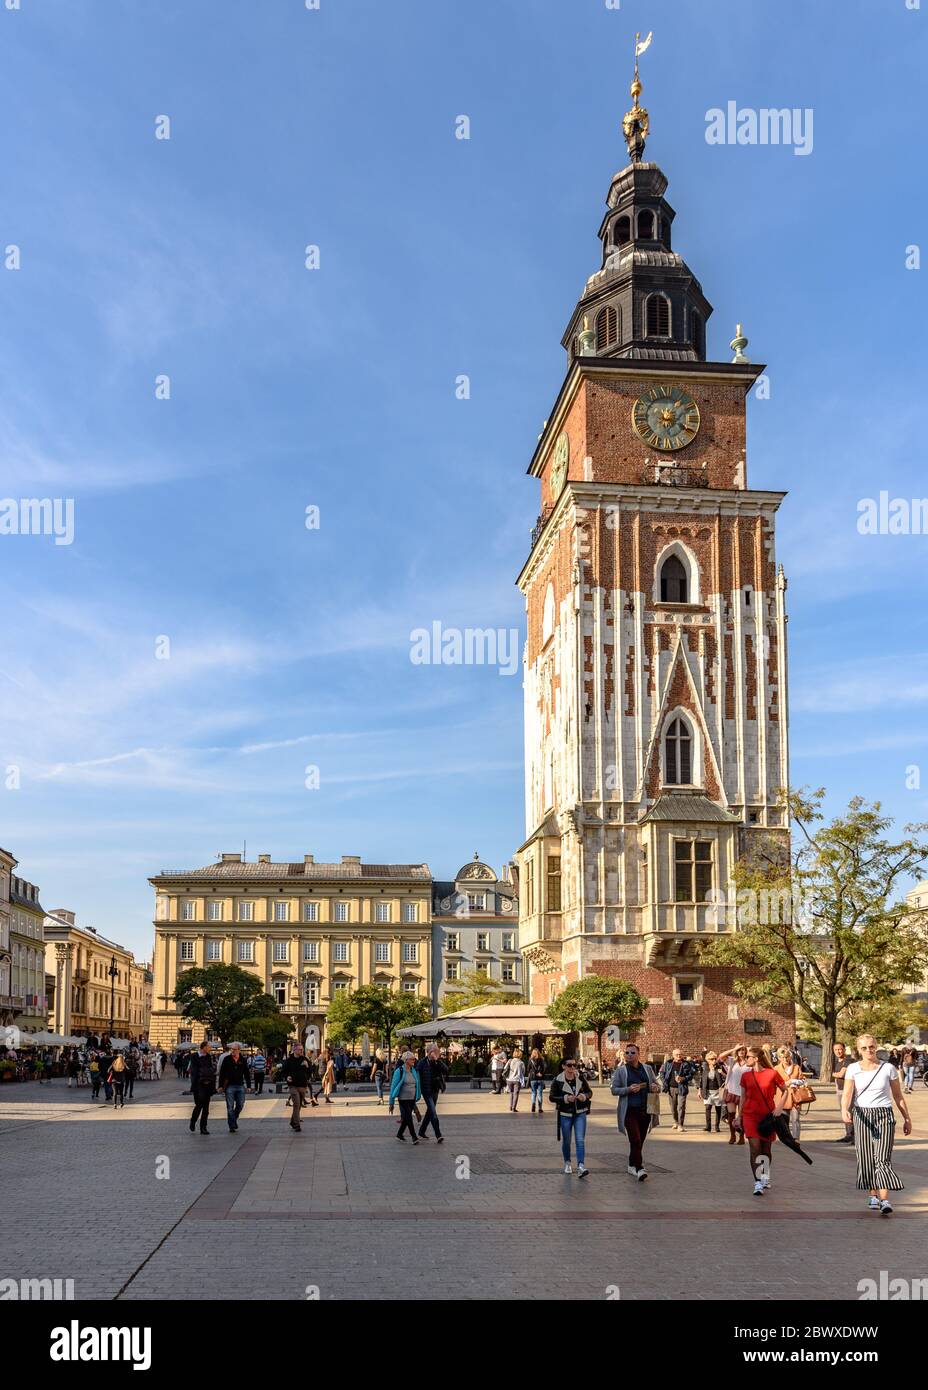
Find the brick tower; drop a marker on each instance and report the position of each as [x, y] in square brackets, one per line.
[655, 663]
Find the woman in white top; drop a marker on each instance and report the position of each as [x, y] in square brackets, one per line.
[870, 1087]
[736, 1069]
[514, 1074]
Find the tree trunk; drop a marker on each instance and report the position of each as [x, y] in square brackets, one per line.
[828, 1053]
[599, 1053]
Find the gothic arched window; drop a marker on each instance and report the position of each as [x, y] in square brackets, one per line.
[646, 226]
[678, 754]
[622, 231]
[657, 311]
[607, 327]
[674, 581]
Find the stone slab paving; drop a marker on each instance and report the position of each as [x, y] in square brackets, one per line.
[342, 1210]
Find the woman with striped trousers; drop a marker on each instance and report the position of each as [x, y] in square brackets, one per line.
[870, 1087]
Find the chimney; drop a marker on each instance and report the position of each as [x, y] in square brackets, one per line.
[351, 858]
[65, 914]
[231, 859]
[264, 859]
[308, 859]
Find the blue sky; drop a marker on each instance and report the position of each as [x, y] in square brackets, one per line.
[335, 388]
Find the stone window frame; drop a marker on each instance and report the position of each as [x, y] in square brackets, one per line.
[697, 981]
[696, 748]
[688, 559]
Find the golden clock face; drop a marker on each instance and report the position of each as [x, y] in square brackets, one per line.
[666, 417]
[559, 468]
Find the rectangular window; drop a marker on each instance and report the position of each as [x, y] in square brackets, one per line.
[410, 912]
[310, 993]
[310, 912]
[383, 912]
[338, 986]
[529, 887]
[246, 911]
[281, 950]
[692, 870]
[509, 941]
[311, 950]
[214, 950]
[282, 912]
[452, 970]
[280, 993]
[214, 911]
[410, 987]
[188, 911]
[184, 1035]
[483, 941]
[382, 951]
[452, 941]
[410, 952]
[341, 912]
[340, 950]
[686, 992]
[188, 950]
[554, 883]
[246, 950]
[508, 975]
[476, 902]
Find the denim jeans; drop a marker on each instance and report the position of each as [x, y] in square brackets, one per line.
[909, 1077]
[573, 1125]
[538, 1093]
[235, 1104]
[378, 1084]
[431, 1116]
[257, 1077]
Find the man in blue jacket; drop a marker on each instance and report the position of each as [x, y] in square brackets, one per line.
[431, 1071]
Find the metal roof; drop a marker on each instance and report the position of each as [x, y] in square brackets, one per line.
[689, 806]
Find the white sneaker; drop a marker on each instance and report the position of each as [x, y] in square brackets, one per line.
[633, 1171]
[581, 1171]
[567, 1170]
[874, 1204]
[641, 1174]
[886, 1208]
[758, 1189]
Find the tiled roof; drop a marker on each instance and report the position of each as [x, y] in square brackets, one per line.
[685, 806]
[251, 870]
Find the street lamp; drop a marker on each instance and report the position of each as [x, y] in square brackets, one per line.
[112, 972]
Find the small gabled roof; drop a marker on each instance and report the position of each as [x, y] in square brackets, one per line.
[689, 806]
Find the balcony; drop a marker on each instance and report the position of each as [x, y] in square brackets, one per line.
[540, 523]
[674, 475]
[17, 1002]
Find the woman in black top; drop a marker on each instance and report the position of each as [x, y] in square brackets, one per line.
[712, 1089]
[535, 1075]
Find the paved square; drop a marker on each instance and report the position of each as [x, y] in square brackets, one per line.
[345, 1210]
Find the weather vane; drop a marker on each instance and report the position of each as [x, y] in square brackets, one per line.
[635, 124]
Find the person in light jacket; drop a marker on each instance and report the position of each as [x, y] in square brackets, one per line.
[406, 1088]
[514, 1074]
[633, 1081]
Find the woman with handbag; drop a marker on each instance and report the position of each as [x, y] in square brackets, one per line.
[712, 1089]
[791, 1073]
[870, 1087]
[760, 1085]
[571, 1097]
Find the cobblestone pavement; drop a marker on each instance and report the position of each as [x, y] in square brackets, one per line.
[131, 1205]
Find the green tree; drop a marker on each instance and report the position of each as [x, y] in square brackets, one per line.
[265, 1030]
[889, 1021]
[473, 989]
[380, 1012]
[593, 1004]
[343, 1022]
[820, 925]
[221, 997]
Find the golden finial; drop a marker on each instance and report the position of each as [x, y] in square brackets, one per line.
[636, 123]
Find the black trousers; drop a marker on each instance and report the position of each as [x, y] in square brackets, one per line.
[408, 1118]
[201, 1100]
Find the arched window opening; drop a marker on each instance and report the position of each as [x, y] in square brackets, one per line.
[658, 316]
[646, 226]
[607, 327]
[622, 231]
[678, 755]
[674, 581]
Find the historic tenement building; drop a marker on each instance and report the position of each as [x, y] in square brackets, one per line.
[475, 926]
[98, 986]
[27, 944]
[655, 665]
[305, 930]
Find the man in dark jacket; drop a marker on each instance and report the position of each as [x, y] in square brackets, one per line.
[234, 1076]
[298, 1072]
[431, 1071]
[675, 1077]
[203, 1085]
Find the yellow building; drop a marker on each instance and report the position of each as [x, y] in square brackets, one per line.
[87, 997]
[27, 944]
[305, 930]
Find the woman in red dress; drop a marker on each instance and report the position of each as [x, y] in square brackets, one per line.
[759, 1087]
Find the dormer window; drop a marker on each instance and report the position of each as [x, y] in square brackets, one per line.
[657, 316]
[607, 327]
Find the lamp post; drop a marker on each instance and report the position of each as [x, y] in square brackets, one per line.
[112, 972]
